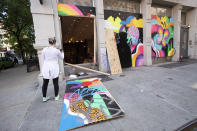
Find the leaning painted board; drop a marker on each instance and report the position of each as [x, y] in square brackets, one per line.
[112, 52]
[87, 101]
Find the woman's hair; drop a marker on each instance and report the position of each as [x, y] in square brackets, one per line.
[52, 40]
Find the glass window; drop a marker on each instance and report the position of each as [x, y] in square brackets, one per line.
[161, 11]
[77, 2]
[153, 11]
[122, 5]
[183, 18]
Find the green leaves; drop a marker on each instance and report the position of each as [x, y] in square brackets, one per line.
[16, 20]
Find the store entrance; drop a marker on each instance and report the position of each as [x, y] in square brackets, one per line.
[78, 39]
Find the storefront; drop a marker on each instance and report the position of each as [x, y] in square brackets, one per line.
[146, 31]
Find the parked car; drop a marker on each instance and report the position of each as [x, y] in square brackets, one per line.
[2, 54]
[20, 60]
[6, 63]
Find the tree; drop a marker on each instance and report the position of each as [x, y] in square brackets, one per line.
[16, 20]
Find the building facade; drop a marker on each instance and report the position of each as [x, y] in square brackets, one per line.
[146, 31]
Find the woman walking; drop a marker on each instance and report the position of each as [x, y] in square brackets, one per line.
[50, 68]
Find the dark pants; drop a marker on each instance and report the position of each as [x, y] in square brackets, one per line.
[45, 85]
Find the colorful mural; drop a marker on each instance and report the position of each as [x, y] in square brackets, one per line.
[162, 36]
[72, 10]
[87, 101]
[128, 29]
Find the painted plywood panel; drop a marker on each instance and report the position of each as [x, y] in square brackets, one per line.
[73, 10]
[162, 36]
[87, 101]
[112, 52]
[128, 29]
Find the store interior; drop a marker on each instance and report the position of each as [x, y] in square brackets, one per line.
[78, 39]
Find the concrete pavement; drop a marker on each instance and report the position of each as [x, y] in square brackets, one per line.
[17, 90]
[154, 99]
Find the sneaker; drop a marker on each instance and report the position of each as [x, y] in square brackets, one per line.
[57, 98]
[45, 99]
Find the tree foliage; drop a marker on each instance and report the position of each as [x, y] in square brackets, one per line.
[16, 20]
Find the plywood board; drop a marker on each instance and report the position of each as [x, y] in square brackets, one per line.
[84, 68]
[87, 101]
[112, 52]
[95, 45]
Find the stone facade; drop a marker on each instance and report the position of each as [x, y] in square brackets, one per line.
[47, 24]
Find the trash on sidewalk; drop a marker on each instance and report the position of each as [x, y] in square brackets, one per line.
[73, 77]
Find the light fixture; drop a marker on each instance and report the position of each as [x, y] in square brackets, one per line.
[188, 26]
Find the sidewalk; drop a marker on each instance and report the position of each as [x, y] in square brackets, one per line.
[17, 90]
[153, 98]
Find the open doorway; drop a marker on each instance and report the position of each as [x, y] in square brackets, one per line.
[78, 39]
[184, 42]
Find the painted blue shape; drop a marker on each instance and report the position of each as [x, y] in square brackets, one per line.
[172, 20]
[73, 82]
[69, 121]
[154, 22]
[128, 20]
[158, 47]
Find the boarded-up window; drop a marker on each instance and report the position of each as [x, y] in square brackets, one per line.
[77, 2]
[122, 5]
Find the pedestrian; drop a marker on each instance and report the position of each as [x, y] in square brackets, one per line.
[50, 68]
[15, 61]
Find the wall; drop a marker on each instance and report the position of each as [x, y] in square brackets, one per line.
[122, 5]
[192, 3]
[77, 2]
[128, 29]
[43, 22]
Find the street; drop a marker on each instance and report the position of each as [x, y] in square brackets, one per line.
[154, 98]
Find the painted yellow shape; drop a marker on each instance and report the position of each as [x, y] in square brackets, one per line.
[171, 52]
[171, 24]
[134, 59]
[115, 23]
[136, 23]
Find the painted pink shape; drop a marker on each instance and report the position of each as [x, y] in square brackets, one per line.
[74, 97]
[161, 53]
[133, 34]
[141, 49]
[76, 9]
[154, 28]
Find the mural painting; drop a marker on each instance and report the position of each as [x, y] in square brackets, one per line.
[162, 36]
[72, 10]
[128, 29]
[87, 101]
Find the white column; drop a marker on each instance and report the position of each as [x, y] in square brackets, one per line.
[191, 19]
[58, 36]
[46, 24]
[176, 14]
[146, 12]
[102, 59]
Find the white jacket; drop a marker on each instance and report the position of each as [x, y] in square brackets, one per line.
[50, 66]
